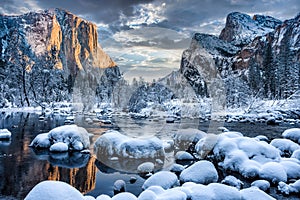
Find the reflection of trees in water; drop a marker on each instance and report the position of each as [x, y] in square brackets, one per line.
[20, 170]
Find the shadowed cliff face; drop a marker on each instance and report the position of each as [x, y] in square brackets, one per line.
[258, 56]
[49, 53]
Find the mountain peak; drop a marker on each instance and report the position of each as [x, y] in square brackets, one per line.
[241, 29]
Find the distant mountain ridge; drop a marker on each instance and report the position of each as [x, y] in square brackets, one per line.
[50, 43]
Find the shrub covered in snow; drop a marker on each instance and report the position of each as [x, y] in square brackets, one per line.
[71, 136]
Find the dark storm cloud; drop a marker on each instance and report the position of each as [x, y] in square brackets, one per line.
[95, 10]
[192, 13]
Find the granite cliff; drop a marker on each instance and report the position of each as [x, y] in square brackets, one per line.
[252, 57]
[50, 52]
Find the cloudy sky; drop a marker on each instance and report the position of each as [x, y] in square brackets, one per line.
[146, 37]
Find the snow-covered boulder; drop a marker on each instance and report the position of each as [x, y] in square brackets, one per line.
[146, 167]
[158, 193]
[261, 184]
[59, 147]
[289, 188]
[123, 196]
[292, 169]
[273, 172]
[173, 194]
[115, 144]
[243, 154]
[76, 138]
[286, 146]
[183, 155]
[5, 134]
[119, 186]
[183, 138]
[103, 197]
[213, 191]
[296, 154]
[254, 193]
[54, 190]
[41, 141]
[177, 168]
[232, 181]
[164, 179]
[206, 144]
[292, 134]
[203, 172]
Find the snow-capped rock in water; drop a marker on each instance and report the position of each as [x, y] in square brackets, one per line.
[289, 188]
[62, 57]
[286, 146]
[164, 179]
[205, 145]
[232, 181]
[203, 172]
[183, 155]
[261, 184]
[292, 134]
[184, 138]
[145, 168]
[59, 147]
[71, 136]
[54, 190]
[119, 186]
[113, 143]
[5, 134]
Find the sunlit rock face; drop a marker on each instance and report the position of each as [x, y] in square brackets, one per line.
[71, 42]
[54, 47]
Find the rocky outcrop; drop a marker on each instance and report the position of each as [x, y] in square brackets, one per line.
[251, 57]
[241, 29]
[50, 43]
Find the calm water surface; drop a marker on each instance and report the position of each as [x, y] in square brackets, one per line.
[21, 168]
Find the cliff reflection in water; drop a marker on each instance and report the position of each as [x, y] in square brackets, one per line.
[21, 168]
[83, 179]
